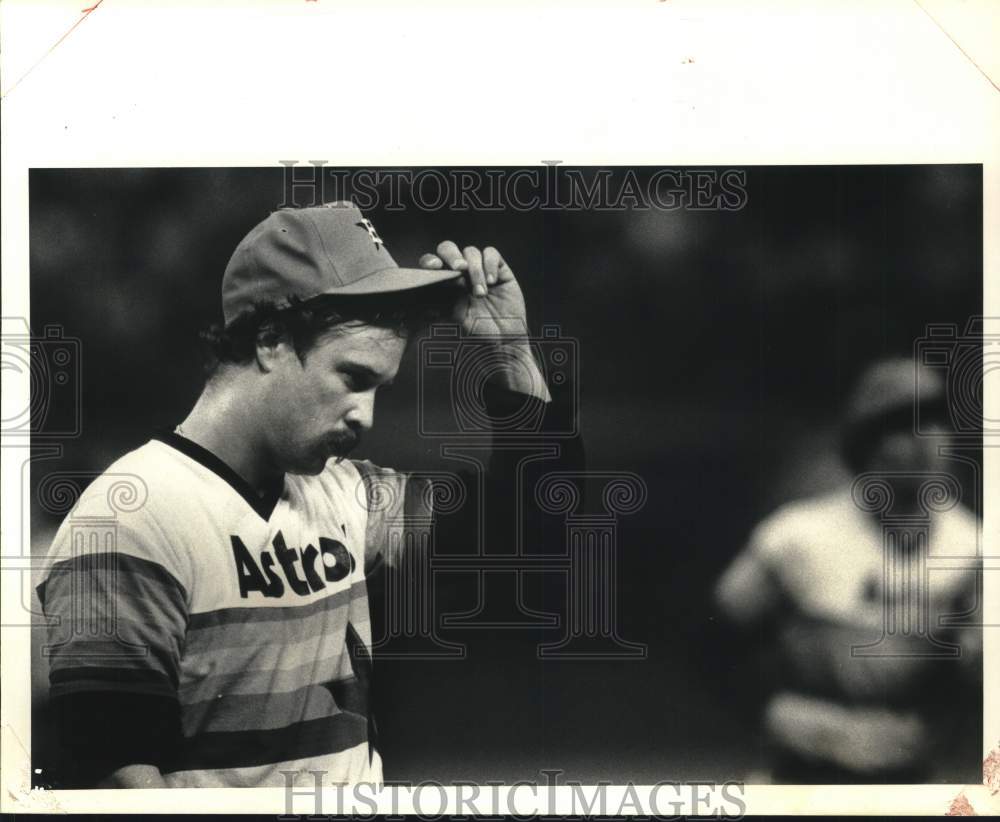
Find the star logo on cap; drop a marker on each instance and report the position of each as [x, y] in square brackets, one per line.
[366, 224]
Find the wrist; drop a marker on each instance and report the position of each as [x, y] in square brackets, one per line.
[519, 371]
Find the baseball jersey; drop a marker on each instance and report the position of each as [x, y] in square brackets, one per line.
[818, 566]
[251, 613]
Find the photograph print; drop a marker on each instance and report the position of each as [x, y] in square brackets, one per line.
[631, 474]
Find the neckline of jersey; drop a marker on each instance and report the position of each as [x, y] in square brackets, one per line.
[262, 504]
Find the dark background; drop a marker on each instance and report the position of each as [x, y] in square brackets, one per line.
[715, 352]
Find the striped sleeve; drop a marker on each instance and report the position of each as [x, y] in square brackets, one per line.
[116, 615]
[399, 508]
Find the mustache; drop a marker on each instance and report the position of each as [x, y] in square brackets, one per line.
[341, 443]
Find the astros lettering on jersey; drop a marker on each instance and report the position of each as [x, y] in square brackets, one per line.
[252, 613]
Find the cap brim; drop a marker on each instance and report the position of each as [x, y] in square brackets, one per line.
[397, 279]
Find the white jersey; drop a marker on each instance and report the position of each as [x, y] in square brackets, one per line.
[253, 614]
[856, 646]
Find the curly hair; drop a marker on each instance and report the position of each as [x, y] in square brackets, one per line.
[303, 322]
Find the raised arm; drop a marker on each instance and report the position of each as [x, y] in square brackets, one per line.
[490, 311]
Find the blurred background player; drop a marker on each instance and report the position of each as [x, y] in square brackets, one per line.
[810, 585]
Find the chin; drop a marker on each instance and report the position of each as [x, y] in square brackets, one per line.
[310, 468]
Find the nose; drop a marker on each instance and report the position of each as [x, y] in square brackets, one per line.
[362, 413]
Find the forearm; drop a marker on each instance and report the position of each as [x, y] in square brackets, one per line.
[134, 776]
[548, 423]
[116, 739]
[521, 373]
[746, 594]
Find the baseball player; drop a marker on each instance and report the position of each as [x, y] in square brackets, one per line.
[239, 641]
[812, 580]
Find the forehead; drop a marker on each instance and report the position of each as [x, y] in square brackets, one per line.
[378, 348]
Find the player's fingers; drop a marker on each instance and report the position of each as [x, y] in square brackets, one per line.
[452, 257]
[477, 276]
[491, 264]
[504, 271]
[431, 261]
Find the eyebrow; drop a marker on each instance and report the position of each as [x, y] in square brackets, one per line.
[367, 370]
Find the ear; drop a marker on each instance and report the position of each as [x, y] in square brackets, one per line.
[271, 350]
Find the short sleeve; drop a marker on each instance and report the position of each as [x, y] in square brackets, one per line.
[770, 540]
[116, 610]
[750, 587]
[400, 512]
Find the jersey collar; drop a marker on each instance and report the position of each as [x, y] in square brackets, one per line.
[262, 504]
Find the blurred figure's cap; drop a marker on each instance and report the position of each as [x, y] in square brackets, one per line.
[890, 386]
[305, 252]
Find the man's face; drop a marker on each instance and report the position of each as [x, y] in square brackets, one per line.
[912, 457]
[319, 408]
[903, 451]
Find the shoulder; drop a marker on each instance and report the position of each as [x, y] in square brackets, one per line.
[341, 478]
[955, 532]
[132, 488]
[354, 483]
[383, 489]
[362, 491]
[131, 508]
[960, 519]
[393, 501]
[340, 484]
[796, 523]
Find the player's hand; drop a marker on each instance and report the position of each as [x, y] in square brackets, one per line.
[491, 302]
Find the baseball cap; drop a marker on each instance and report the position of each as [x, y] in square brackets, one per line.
[306, 252]
[889, 386]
